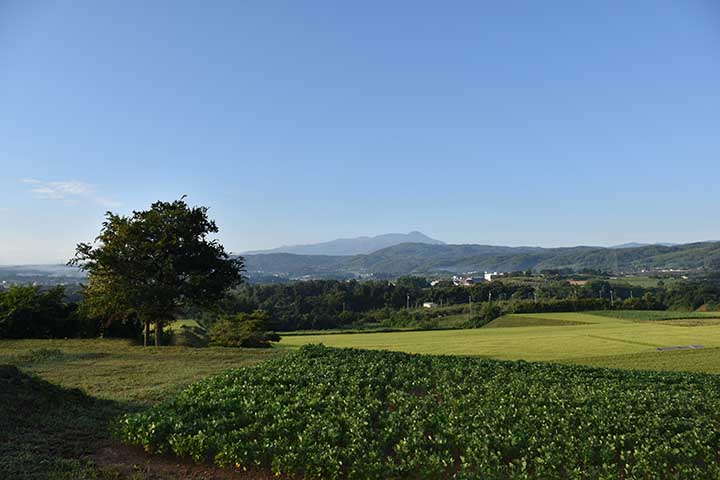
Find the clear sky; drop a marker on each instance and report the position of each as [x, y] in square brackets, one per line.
[496, 122]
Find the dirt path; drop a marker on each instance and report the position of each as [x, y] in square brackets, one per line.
[129, 461]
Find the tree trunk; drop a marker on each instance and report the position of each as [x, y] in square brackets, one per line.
[158, 331]
[146, 333]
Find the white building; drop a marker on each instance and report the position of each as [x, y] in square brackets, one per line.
[430, 305]
[490, 276]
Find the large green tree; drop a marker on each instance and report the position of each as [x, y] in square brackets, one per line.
[154, 262]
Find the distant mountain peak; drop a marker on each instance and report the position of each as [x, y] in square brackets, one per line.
[353, 246]
[640, 245]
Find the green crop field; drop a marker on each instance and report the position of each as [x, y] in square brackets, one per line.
[341, 413]
[557, 337]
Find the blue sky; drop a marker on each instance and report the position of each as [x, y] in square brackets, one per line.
[508, 122]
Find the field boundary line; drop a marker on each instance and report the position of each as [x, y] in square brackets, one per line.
[625, 341]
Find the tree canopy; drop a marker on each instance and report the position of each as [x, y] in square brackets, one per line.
[154, 262]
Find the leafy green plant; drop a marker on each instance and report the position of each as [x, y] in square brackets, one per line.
[342, 413]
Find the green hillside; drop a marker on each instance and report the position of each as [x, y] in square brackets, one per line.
[419, 258]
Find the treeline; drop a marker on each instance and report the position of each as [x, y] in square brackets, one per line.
[31, 311]
[324, 304]
[35, 312]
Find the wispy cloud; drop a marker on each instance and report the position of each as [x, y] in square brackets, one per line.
[70, 192]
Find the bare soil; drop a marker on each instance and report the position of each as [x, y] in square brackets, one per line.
[134, 462]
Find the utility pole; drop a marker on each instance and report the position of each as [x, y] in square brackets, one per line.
[489, 296]
[612, 299]
[470, 303]
[407, 305]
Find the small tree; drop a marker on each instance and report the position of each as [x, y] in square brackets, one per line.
[154, 262]
[488, 312]
[248, 330]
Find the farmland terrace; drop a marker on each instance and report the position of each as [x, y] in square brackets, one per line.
[617, 339]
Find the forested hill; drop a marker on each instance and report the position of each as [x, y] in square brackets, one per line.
[420, 258]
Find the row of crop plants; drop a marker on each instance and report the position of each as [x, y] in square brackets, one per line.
[341, 413]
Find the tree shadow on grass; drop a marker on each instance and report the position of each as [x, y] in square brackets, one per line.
[47, 431]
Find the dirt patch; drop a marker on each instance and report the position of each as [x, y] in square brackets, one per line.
[132, 461]
[679, 347]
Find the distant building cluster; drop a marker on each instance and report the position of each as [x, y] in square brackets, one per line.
[468, 280]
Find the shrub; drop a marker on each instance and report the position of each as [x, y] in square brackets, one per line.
[243, 330]
[559, 305]
[488, 313]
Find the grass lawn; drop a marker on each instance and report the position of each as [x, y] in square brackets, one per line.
[55, 430]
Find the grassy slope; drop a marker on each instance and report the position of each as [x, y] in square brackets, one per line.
[45, 430]
[706, 361]
[529, 321]
[596, 337]
[57, 429]
[117, 370]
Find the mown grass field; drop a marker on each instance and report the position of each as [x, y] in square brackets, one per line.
[586, 338]
[60, 429]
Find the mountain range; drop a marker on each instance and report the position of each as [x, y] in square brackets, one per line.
[395, 254]
[428, 259]
[636, 245]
